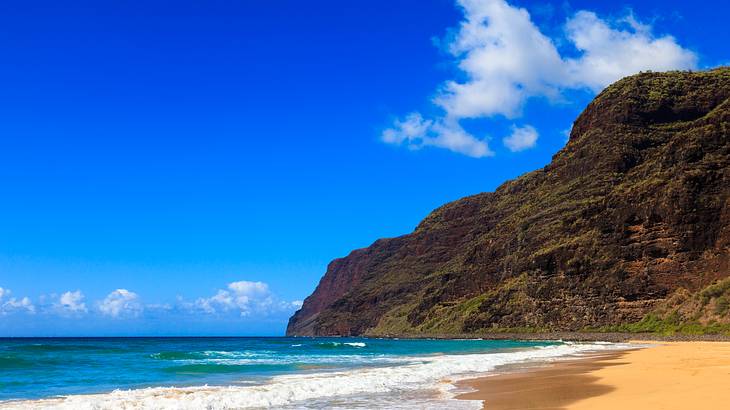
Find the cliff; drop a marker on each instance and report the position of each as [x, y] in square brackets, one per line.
[631, 213]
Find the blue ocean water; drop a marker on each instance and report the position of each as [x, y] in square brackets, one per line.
[253, 372]
[46, 367]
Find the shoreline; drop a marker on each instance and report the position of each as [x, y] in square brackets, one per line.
[613, 337]
[385, 386]
[668, 375]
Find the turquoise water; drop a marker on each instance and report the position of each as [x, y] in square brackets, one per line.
[36, 368]
[235, 373]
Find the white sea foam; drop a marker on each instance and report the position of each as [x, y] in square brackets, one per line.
[338, 344]
[313, 390]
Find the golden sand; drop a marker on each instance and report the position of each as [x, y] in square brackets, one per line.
[675, 375]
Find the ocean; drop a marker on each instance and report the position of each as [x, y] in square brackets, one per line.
[254, 372]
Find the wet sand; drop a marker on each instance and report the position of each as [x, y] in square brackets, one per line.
[676, 375]
[550, 387]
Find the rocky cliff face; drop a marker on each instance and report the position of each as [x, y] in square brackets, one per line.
[634, 208]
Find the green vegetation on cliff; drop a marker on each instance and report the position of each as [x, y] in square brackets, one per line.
[704, 312]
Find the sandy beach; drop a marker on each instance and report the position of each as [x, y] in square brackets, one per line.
[671, 375]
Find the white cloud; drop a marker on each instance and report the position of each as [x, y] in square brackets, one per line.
[417, 132]
[505, 60]
[246, 288]
[566, 133]
[521, 138]
[610, 53]
[160, 307]
[121, 303]
[14, 304]
[71, 303]
[245, 298]
[238, 299]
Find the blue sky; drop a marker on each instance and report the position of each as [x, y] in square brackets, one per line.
[180, 167]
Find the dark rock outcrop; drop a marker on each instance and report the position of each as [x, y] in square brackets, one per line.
[633, 208]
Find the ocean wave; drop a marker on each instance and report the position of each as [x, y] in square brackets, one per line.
[297, 390]
[176, 355]
[208, 354]
[25, 362]
[340, 344]
[303, 359]
[220, 368]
